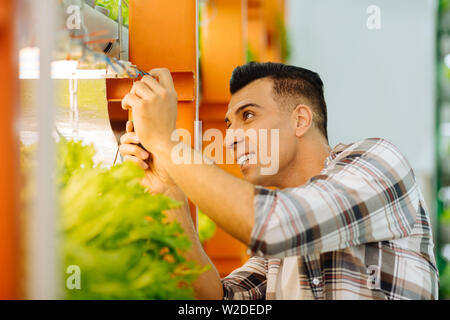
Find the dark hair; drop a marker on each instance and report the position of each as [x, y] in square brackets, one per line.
[290, 82]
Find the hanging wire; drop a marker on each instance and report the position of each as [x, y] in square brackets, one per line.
[117, 154]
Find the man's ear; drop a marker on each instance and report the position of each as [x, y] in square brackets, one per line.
[303, 119]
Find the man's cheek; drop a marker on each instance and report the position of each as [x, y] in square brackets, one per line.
[269, 151]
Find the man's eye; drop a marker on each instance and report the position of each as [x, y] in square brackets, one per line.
[248, 115]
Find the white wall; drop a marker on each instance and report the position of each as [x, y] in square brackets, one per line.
[378, 83]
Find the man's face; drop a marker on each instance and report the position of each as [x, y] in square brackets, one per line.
[251, 109]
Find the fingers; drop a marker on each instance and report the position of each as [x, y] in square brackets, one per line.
[133, 150]
[160, 82]
[139, 162]
[130, 137]
[129, 127]
[130, 151]
[164, 77]
[130, 100]
[142, 90]
[153, 84]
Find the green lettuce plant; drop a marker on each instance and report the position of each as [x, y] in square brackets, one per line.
[115, 231]
[206, 227]
[113, 7]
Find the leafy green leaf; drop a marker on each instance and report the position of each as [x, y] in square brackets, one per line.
[116, 233]
[206, 227]
[113, 7]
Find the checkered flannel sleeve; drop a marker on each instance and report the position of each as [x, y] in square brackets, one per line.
[247, 282]
[367, 193]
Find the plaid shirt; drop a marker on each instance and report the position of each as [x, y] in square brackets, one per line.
[358, 230]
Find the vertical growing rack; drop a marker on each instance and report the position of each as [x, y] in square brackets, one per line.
[9, 166]
[233, 32]
[162, 34]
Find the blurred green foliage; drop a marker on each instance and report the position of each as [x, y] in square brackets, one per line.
[250, 55]
[113, 7]
[445, 217]
[444, 292]
[115, 231]
[285, 43]
[206, 227]
[444, 4]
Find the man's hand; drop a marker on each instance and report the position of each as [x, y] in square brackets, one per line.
[153, 101]
[226, 199]
[156, 178]
[208, 284]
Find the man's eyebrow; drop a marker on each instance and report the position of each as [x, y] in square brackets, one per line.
[243, 107]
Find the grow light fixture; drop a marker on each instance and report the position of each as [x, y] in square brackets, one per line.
[63, 69]
[69, 69]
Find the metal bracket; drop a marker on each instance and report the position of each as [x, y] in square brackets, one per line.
[120, 23]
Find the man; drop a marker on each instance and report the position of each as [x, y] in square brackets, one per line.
[346, 223]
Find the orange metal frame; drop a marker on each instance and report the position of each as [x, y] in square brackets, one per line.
[162, 34]
[231, 26]
[271, 9]
[263, 37]
[257, 38]
[9, 244]
[224, 41]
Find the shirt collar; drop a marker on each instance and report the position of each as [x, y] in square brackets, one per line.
[335, 152]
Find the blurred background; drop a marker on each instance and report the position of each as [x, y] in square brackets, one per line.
[67, 64]
[389, 81]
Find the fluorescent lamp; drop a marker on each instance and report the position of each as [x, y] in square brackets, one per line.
[62, 69]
